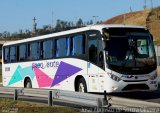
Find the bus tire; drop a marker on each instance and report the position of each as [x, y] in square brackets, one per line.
[27, 83]
[81, 86]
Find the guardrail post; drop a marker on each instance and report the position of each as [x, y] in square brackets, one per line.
[105, 98]
[100, 104]
[15, 94]
[50, 99]
[105, 95]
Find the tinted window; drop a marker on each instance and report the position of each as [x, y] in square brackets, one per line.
[92, 44]
[13, 54]
[34, 51]
[47, 49]
[100, 54]
[78, 45]
[62, 47]
[6, 56]
[22, 52]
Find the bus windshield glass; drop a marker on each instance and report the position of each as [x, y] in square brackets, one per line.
[130, 51]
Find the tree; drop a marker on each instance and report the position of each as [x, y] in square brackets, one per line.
[91, 22]
[20, 31]
[79, 23]
[58, 25]
[1, 35]
[61, 25]
[14, 35]
[6, 34]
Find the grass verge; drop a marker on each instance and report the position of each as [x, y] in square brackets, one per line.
[11, 106]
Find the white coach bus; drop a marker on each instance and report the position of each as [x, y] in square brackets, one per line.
[98, 58]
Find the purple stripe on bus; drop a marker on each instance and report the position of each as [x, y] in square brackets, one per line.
[64, 71]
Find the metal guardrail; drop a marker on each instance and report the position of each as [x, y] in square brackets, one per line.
[124, 102]
[86, 99]
[7, 90]
[82, 99]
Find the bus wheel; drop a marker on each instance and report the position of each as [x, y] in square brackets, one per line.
[82, 86]
[28, 83]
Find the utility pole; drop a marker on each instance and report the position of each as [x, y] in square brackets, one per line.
[52, 26]
[34, 25]
[95, 18]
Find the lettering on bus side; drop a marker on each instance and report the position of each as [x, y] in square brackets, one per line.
[46, 65]
[7, 68]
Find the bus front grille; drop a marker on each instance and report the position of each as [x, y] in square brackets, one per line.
[135, 80]
[131, 87]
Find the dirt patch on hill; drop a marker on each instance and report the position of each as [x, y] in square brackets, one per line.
[133, 18]
[147, 18]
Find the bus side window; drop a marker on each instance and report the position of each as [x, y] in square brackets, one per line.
[68, 46]
[6, 55]
[22, 52]
[62, 47]
[34, 51]
[12, 54]
[47, 49]
[100, 53]
[28, 52]
[17, 53]
[78, 45]
[93, 46]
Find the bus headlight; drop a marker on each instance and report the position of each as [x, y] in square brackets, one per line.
[153, 77]
[114, 77]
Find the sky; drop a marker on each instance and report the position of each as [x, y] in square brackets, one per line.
[19, 14]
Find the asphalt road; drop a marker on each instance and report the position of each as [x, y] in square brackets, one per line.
[146, 96]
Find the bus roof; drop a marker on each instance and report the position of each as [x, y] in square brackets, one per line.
[90, 27]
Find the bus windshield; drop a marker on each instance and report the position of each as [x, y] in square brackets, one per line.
[131, 53]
